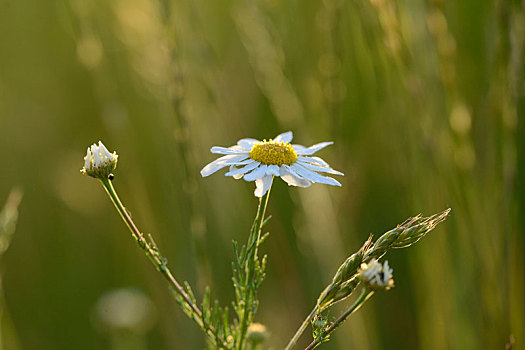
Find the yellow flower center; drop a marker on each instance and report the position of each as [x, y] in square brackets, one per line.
[273, 153]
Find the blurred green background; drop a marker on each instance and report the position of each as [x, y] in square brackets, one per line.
[424, 100]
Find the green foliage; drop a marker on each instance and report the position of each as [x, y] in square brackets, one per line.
[423, 100]
[346, 278]
[248, 274]
[404, 235]
[319, 325]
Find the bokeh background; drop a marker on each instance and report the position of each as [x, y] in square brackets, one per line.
[424, 100]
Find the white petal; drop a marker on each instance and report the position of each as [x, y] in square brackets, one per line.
[272, 170]
[313, 160]
[87, 159]
[243, 170]
[224, 150]
[236, 177]
[313, 176]
[284, 137]
[97, 157]
[292, 178]
[247, 143]
[256, 174]
[101, 146]
[244, 162]
[298, 148]
[302, 151]
[323, 169]
[263, 185]
[220, 163]
[105, 150]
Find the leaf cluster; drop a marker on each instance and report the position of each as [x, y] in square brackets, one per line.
[248, 275]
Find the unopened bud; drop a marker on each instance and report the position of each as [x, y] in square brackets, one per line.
[257, 333]
[98, 162]
[376, 276]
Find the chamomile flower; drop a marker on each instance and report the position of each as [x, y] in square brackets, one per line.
[376, 276]
[98, 162]
[260, 161]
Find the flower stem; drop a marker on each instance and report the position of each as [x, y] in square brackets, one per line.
[247, 300]
[365, 295]
[159, 261]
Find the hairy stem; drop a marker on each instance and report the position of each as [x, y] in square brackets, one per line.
[154, 255]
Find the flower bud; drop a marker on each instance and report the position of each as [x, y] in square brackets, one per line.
[257, 333]
[376, 276]
[98, 162]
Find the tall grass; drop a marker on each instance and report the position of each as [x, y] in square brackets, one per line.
[424, 100]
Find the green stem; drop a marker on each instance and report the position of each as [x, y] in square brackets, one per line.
[365, 295]
[301, 329]
[253, 239]
[157, 260]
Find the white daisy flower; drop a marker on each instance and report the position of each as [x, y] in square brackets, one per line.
[376, 276]
[98, 162]
[260, 161]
